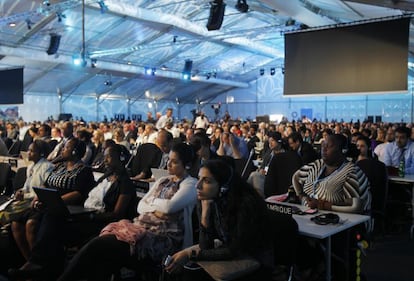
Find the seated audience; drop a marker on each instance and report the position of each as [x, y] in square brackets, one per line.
[364, 149]
[73, 180]
[231, 211]
[333, 183]
[402, 149]
[23, 217]
[163, 226]
[257, 178]
[85, 136]
[303, 149]
[67, 132]
[231, 145]
[114, 198]
[119, 136]
[151, 155]
[202, 147]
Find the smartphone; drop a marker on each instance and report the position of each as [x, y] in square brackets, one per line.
[311, 211]
[167, 260]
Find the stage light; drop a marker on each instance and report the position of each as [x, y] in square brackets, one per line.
[60, 16]
[188, 65]
[242, 6]
[272, 71]
[108, 83]
[290, 22]
[78, 60]
[147, 71]
[208, 75]
[93, 63]
[12, 24]
[29, 24]
[103, 7]
[153, 71]
[261, 71]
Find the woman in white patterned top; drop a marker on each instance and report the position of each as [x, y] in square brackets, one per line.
[333, 183]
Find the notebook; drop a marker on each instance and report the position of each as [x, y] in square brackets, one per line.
[159, 173]
[54, 203]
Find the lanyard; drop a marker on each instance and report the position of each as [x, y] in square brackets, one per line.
[319, 179]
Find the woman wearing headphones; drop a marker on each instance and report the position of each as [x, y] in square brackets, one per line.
[24, 224]
[73, 180]
[229, 211]
[333, 182]
[163, 225]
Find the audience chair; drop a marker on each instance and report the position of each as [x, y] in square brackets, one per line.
[5, 179]
[377, 175]
[14, 149]
[285, 233]
[281, 169]
[148, 156]
[19, 178]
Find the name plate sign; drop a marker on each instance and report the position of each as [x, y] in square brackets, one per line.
[280, 208]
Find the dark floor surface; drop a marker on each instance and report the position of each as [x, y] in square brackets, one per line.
[390, 258]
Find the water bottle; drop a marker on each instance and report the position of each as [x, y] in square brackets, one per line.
[401, 168]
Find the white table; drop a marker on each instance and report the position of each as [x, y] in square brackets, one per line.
[407, 179]
[324, 232]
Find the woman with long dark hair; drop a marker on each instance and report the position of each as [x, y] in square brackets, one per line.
[231, 211]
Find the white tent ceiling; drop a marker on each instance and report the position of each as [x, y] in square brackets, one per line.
[135, 34]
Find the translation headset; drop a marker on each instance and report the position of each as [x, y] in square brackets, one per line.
[77, 149]
[324, 219]
[187, 165]
[226, 186]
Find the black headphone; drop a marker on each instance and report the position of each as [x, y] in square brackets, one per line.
[79, 148]
[324, 219]
[224, 188]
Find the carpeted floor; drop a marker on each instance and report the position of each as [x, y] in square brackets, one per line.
[391, 257]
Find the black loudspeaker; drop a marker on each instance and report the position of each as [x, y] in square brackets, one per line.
[370, 118]
[188, 65]
[54, 44]
[378, 119]
[65, 116]
[216, 15]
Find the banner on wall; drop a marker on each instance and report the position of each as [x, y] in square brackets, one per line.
[9, 112]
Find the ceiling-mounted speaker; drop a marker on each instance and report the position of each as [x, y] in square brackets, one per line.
[54, 44]
[188, 65]
[216, 15]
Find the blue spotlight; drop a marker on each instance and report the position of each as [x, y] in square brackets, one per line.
[188, 65]
[77, 60]
[148, 71]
